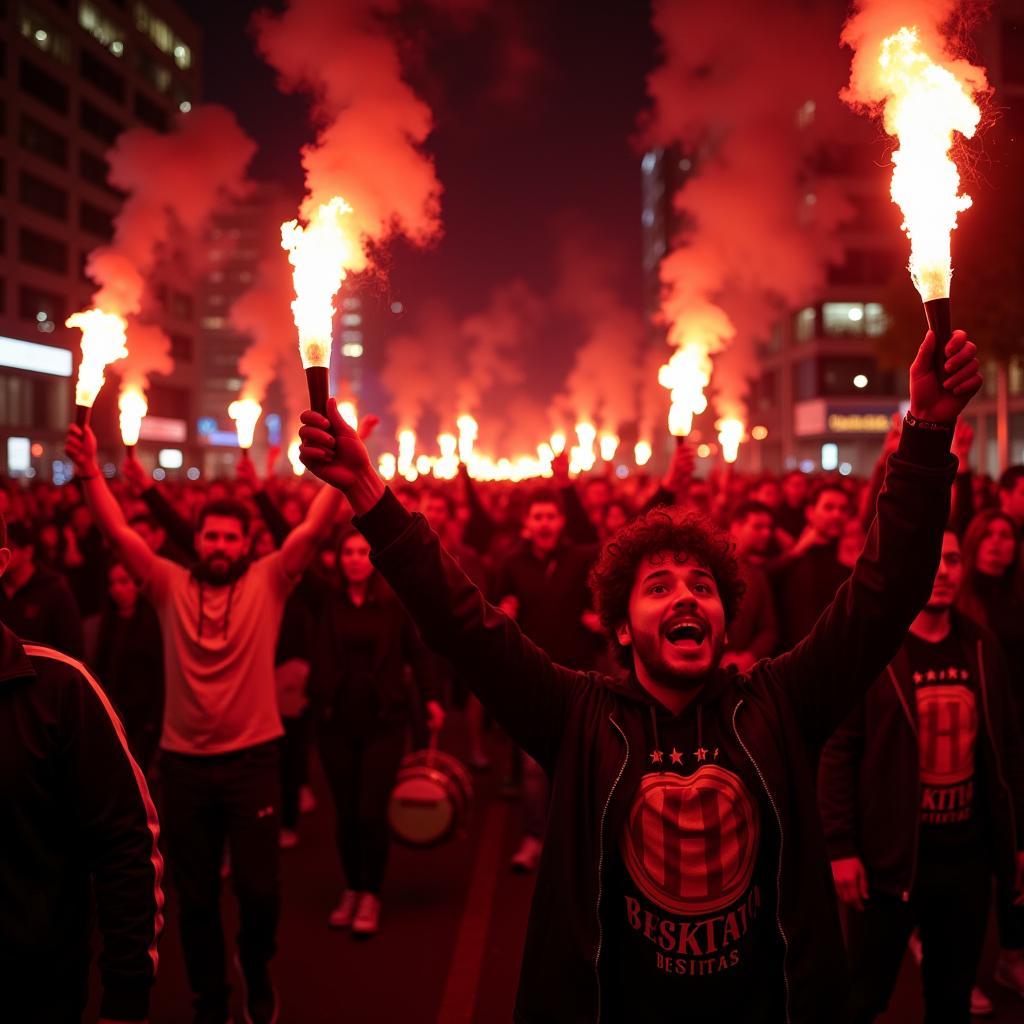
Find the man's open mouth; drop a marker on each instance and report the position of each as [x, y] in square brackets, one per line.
[686, 633]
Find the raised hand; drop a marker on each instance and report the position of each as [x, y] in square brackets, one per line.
[80, 448]
[335, 453]
[943, 401]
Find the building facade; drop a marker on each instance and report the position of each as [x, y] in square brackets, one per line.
[73, 76]
[819, 391]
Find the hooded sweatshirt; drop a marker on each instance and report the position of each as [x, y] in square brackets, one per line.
[590, 734]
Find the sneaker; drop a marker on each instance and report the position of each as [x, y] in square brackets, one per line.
[341, 916]
[1010, 973]
[367, 919]
[307, 800]
[914, 945]
[981, 1005]
[260, 1003]
[527, 857]
[288, 839]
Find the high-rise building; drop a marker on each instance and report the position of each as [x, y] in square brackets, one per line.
[73, 76]
[818, 387]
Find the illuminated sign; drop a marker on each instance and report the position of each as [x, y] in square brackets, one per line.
[859, 422]
[160, 428]
[29, 355]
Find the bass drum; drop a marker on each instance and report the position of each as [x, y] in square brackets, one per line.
[431, 798]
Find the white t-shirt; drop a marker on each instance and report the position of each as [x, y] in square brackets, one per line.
[219, 644]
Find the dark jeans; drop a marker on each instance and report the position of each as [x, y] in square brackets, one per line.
[1011, 919]
[206, 800]
[949, 907]
[361, 773]
[294, 757]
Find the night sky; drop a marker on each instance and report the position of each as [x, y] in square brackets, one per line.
[530, 135]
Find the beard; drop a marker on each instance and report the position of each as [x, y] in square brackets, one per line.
[647, 650]
[219, 570]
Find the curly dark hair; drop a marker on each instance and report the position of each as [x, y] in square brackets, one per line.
[661, 529]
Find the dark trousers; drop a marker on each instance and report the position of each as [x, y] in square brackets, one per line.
[949, 907]
[1011, 919]
[361, 772]
[206, 800]
[294, 756]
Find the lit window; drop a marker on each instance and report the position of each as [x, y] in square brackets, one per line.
[351, 303]
[106, 32]
[353, 351]
[860, 381]
[876, 322]
[804, 324]
[354, 336]
[162, 37]
[351, 319]
[839, 319]
[37, 28]
[397, 307]
[185, 107]
[213, 323]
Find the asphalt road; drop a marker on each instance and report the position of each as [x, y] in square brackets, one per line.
[451, 932]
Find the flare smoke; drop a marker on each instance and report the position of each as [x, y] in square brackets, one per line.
[748, 114]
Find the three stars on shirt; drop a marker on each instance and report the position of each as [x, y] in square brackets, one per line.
[701, 754]
[952, 675]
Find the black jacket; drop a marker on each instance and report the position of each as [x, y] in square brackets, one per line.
[588, 731]
[44, 611]
[363, 651]
[869, 781]
[78, 823]
[553, 595]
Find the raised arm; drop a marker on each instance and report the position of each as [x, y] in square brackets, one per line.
[301, 545]
[860, 632]
[178, 529]
[526, 692]
[128, 546]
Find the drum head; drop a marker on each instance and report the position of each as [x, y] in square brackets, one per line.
[422, 811]
[443, 762]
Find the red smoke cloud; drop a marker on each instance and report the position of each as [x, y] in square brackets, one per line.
[603, 384]
[173, 181]
[371, 126]
[757, 233]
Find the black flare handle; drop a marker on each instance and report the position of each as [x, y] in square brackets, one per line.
[937, 313]
[316, 379]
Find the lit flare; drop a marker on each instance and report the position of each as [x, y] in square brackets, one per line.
[103, 342]
[246, 413]
[132, 409]
[642, 452]
[293, 457]
[468, 431]
[685, 376]
[730, 433]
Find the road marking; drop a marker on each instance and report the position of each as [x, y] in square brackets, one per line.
[460, 988]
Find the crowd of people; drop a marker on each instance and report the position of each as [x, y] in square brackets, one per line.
[689, 670]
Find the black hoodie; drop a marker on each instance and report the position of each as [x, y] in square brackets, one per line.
[590, 733]
[869, 784]
[78, 825]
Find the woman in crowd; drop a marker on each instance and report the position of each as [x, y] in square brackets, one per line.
[362, 705]
[993, 594]
[130, 662]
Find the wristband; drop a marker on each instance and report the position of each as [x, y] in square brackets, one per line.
[912, 421]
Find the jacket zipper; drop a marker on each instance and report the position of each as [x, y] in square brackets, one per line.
[778, 874]
[905, 895]
[600, 865]
[995, 750]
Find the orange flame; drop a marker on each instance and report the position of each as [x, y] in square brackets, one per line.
[320, 253]
[349, 413]
[730, 433]
[468, 430]
[406, 451]
[686, 375]
[103, 342]
[558, 441]
[293, 457]
[133, 408]
[925, 103]
[609, 445]
[387, 465]
[642, 452]
[246, 413]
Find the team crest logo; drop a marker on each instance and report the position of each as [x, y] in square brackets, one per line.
[948, 719]
[690, 842]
